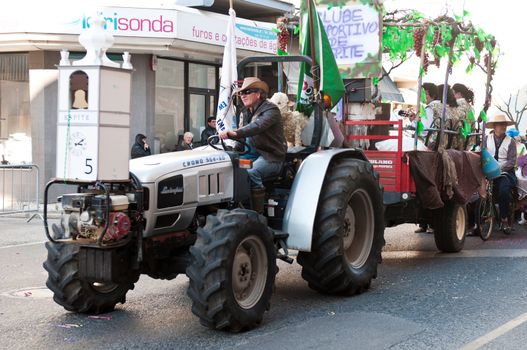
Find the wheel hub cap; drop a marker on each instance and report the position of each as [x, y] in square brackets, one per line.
[349, 228]
[249, 271]
[460, 223]
[359, 229]
[243, 271]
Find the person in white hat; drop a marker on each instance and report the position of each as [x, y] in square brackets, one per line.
[504, 150]
[261, 125]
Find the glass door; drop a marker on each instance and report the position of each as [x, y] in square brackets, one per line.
[201, 106]
[202, 85]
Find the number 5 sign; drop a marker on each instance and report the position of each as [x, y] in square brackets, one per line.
[76, 152]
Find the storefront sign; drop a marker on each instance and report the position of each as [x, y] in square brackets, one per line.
[152, 23]
[130, 22]
[210, 28]
[181, 23]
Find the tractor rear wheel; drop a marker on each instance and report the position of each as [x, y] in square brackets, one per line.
[348, 231]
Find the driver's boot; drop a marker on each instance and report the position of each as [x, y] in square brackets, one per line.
[258, 199]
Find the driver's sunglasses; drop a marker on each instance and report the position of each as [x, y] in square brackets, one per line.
[247, 92]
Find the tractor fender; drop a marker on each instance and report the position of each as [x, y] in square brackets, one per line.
[299, 216]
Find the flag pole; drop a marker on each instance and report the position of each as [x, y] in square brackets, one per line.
[314, 64]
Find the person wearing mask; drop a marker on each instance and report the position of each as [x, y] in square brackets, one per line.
[140, 148]
[433, 113]
[464, 97]
[261, 125]
[453, 117]
[209, 131]
[186, 144]
[433, 105]
[465, 100]
[504, 150]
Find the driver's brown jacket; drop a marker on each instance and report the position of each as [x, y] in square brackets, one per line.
[266, 131]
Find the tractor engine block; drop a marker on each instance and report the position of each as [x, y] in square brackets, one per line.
[84, 216]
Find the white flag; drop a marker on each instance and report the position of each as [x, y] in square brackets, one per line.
[225, 114]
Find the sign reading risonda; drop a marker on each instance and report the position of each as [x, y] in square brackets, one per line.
[354, 35]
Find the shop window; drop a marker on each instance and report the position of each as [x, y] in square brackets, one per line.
[15, 121]
[202, 76]
[79, 90]
[170, 103]
[267, 72]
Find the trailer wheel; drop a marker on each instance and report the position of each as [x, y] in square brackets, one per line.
[75, 294]
[450, 227]
[348, 232]
[232, 270]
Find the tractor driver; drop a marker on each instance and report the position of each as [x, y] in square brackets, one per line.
[261, 126]
[503, 148]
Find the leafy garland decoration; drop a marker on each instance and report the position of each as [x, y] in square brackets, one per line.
[444, 37]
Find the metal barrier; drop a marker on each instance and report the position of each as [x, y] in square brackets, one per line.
[19, 189]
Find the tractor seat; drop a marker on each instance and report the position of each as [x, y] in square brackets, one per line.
[284, 179]
[269, 181]
[275, 177]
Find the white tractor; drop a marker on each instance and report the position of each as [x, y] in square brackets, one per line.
[187, 213]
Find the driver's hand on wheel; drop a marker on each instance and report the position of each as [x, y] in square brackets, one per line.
[227, 134]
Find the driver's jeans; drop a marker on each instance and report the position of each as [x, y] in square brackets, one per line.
[262, 169]
[505, 185]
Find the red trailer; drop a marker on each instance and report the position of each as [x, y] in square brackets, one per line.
[432, 187]
[428, 201]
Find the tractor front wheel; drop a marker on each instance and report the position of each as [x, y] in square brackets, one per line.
[232, 271]
[74, 293]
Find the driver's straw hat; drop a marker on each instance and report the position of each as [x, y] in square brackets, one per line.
[253, 83]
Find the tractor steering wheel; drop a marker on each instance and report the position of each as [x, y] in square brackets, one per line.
[224, 147]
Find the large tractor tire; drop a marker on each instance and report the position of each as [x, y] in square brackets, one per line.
[232, 270]
[75, 294]
[348, 231]
[450, 227]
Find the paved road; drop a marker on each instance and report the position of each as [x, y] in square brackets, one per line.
[420, 300]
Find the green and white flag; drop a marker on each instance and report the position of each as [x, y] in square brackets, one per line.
[330, 80]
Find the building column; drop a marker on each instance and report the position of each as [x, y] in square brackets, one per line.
[43, 78]
[43, 108]
[143, 99]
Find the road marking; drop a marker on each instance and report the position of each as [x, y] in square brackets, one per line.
[498, 332]
[477, 253]
[22, 245]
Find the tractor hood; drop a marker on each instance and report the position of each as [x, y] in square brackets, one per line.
[150, 168]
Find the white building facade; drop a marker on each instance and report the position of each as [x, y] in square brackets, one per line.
[176, 55]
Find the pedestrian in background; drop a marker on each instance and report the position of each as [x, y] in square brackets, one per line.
[209, 131]
[186, 144]
[140, 148]
[503, 147]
